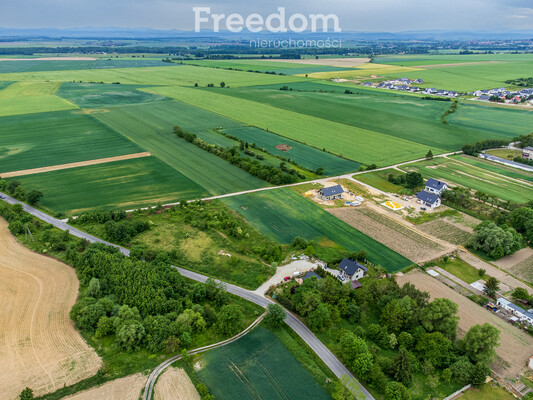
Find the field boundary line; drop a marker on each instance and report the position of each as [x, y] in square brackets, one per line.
[150, 384]
[59, 167]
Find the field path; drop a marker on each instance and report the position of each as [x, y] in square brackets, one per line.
[73, 165]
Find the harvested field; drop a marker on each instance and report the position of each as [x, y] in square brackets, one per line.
[40, 347]
[74, 165]
[283, 147]
[127, 388]
[524, 269]
[515, 258]
[392, 234]
[175, 384]
[445, 230]
[515, 345]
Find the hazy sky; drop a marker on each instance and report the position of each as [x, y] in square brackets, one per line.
[354, 15]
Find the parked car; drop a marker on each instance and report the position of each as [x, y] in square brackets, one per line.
[423, 208]
[340, 278]
[286, 278]
[297, 273]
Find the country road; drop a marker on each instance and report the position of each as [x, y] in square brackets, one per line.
[150, 384]
[298, 326]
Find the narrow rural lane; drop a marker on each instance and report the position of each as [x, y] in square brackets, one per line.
[298, 326]
[150, 384]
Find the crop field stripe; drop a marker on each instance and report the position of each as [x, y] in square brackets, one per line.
[125, 184]
[354, 143]
[497, 168]
[45, 139]
[73, 165]
[282, 215]
[150, 126]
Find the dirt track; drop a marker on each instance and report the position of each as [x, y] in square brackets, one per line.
[39, 346]
[516, 346]
[175, 384]
[127, 388]
[73, 165]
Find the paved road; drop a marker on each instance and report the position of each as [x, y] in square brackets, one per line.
[150, 384]
[298, 326]
[509, 163]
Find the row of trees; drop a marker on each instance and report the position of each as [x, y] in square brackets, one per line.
[414, 336]
[15, 189]
[275, 175]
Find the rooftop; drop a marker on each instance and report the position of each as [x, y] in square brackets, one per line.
[427, 197]
[435, 184]
[310, 274]
[350, 267]
[331, 191]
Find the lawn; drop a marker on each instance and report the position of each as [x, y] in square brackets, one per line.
[505, 153]
[306, 156]
[379, 180]
[256, 366]
[122, 184]
[403, 116]
[460, 269]
[283, 214]
[487, 392]
[169, 74]
[150, 126]
[89, 95]
[354, 143]
[45, 139]
[455, 172]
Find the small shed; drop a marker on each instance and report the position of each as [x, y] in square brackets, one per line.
[356, 284]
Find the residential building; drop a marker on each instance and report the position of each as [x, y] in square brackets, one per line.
[310, 274]
[427, 199]
[351, 270]
[331, 193]
[527, 153]
[435, 186]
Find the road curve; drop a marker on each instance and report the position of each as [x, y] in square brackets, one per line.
[150, 384]
[298, 326]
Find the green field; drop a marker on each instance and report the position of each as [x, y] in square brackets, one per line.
[488, 392]
[403, 116]
[497, 168]
[283, 214]
[257, 367]
[379, 180]
[45, 139]
[306, 156]
[432, 59]
[88, 95]
[150, 126]
[64, 65]
[122, 184]
[357, 144]
[33, 104]
[167, 75]
[457, 173]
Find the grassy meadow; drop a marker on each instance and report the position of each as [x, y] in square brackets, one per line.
[45, 139]
[283, 214]
[122, 184]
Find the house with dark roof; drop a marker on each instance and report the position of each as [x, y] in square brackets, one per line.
[351, 270]
[484, 98]
[310, 274]
[431, 91]
[527, 153]
[367, 83]
[331, 193]
[419, 81]
[435, 186]
[427, 199]
[452, 93]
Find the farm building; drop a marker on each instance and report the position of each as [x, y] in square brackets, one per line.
[430, 200]
[435, 186]
[331, 193]
[310, 274]
[351, 270]
[523, 315]
[527, 153]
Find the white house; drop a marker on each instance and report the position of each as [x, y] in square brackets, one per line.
[427, 199]
[435, 186]
[523, 315]
[351, 270]
[527, 153]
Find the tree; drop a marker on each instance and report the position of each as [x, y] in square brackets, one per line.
[434, 348]
[461, 370]
[494, 240]
[319, 318]
[521, 294]
[520, 217]
[479, 374]
[222, 84]
[397, 313]
[480, 342]
[33, 197]
[429, 155]
[401, 367]
[440, 316]
[347, 389]
[491, 287]
[130, 336]
[276, 315]
[94, 288]
[355, 352]
[230, 319]
[171, 344]
[26, 394]
[396, 391]
[413, 179]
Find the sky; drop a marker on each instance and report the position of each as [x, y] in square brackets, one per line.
[354, 15]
